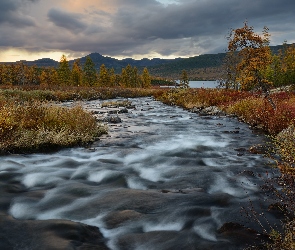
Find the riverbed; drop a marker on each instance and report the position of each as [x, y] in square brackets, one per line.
[163, 178]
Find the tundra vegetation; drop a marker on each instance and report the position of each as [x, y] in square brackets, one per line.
[257, 87]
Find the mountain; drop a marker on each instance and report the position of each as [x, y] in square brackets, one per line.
[117, 64]
[202, 67]
[99, 59]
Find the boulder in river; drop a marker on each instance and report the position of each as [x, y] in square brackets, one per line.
[241, 235]
[123, 111]
[114, 219]
[112, 119]
[49, 234]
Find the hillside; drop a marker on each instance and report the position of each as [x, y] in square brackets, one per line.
[202, 67]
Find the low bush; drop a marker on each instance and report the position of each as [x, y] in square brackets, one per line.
[258, 112]
[189, 98]
[37, 126]
[71, 93]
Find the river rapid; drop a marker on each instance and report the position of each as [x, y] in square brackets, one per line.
[164, 178]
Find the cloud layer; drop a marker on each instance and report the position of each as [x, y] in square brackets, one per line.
[126, 28]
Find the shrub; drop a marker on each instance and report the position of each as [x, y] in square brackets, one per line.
[34, 126]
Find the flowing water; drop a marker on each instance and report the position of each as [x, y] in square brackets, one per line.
[164, 178]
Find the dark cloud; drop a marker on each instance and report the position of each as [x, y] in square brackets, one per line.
[195, 18]
[133, 27]
[11, 13]
[208, 20]
[69, 21]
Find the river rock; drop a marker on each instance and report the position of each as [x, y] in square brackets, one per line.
[240, 234]
[112, 119]
[281, 89]
[114, 219]
[112, 112]
[123, 111]
[50, 234]
[212, 110]
[259, 149]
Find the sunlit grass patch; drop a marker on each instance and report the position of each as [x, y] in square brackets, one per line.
[35, 126]
[116, 104]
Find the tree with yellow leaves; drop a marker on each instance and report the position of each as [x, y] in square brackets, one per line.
[77, 74]
[49, 77]
[252, 56]
[184, 81]
[103, 78]
[288, 63]
[64, 72]
[146, 79]
[89, 72]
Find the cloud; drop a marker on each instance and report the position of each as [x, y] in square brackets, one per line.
[67, 20]
[11, 13]
[132, 27]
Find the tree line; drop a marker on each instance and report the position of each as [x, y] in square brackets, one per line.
[77, 75]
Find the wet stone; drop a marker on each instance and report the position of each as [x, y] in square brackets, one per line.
[241, 235]
[112, 119]
[123, 111]
[114, 219]
[51, 234]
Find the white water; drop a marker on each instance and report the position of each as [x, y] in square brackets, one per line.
[162, 174]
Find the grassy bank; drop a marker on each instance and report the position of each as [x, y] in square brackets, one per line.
[71, 93]
[30, 122]
[279, 123]
[250, 107]
[38, 126]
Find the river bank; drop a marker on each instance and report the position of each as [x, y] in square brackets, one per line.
[121, 133]
[162, 178]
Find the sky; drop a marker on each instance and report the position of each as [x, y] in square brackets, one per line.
[34, 29]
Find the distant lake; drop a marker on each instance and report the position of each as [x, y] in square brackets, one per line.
[198, 84]
[203, 84]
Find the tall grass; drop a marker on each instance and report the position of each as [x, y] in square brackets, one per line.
[38, 126]
[190, 98]
[258, 112]
[71, 93]
[250, 107]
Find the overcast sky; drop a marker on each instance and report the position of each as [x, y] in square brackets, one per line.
[32, 29]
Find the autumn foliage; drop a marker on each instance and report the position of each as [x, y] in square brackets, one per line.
[35, 126]
[248, 56]
[19, 74]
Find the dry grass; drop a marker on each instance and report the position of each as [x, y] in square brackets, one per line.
[38, 126]
[28, 123]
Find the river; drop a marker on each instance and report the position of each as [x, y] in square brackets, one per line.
[164, 178]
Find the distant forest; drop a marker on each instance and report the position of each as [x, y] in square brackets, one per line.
[202, 67]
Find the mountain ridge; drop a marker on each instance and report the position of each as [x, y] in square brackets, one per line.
[201, 67]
